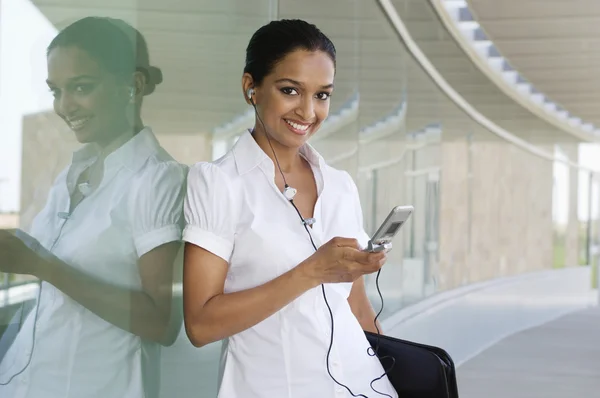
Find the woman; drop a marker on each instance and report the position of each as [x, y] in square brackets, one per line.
[104, 244]
[251, 273]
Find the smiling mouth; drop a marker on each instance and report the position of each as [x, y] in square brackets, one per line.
[297, 127]
[78, 124]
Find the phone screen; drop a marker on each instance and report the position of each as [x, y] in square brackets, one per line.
[391, 231]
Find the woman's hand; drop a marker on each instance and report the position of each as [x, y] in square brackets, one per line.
[15, 256]
[341, 260]
[212, 315]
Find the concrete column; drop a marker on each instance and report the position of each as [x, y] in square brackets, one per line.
[572, 230]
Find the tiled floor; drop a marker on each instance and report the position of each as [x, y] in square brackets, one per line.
[558, 359]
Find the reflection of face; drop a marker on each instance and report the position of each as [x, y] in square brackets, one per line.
[88, 98]
[294, 97]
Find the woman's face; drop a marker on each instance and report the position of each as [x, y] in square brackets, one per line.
[293, 100]
[92, 102]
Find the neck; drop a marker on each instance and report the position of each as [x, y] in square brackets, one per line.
[289, 158]
[105, 148]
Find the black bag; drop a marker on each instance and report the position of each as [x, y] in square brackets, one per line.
[419, 371]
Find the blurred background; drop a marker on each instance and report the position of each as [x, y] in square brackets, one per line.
[481, 114]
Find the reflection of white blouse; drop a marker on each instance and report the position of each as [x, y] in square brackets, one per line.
[137, 207]
[234, 209]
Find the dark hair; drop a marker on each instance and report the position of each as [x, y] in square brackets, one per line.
[118, 46]
[272, 42]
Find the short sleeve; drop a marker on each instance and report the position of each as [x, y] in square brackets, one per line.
[156, 205]
[359, 230]
[209, 210]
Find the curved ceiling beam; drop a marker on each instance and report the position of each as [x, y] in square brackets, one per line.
[394, 17]
[470, 37]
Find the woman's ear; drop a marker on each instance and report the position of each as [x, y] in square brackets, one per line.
[248, 89]
[139, 86]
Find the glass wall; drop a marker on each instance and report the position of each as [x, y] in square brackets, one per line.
[480, 203]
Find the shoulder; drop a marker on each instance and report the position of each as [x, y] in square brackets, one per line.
[155, 176]
[211, 203]
[149, 157]
[220, 172]
[152, 162]
[157, 171]
[340, 179]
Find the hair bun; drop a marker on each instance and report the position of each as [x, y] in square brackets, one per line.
[155, 74]
[154, 77]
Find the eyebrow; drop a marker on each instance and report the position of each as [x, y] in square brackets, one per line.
[74, 79]
[297, 83]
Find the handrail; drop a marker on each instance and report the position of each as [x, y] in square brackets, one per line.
[17, 284]
[8, 291]
[397, 23]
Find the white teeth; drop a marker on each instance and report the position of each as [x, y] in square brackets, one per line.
[78, 123]
[297, 126]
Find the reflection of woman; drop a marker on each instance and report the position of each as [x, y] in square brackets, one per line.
[251, 274]
[109, 231]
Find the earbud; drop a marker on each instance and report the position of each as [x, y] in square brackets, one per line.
[309, 221]
[289, 192]
[250, 93]
[132, 92]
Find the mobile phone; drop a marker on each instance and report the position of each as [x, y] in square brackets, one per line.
[382, 238]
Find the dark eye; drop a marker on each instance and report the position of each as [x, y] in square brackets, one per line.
[54, 91]
[324, 96]
[83, 88]
[289, 91]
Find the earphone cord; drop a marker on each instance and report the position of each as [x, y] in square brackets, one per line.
[35, 318]
[370, 351]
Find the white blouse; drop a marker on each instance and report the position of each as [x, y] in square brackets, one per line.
[137, 207]
[234, 210]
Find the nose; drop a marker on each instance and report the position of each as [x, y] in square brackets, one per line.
[65, 105]
[306, 109]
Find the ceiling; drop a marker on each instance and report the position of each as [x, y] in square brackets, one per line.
[200, 44]
[554, 44]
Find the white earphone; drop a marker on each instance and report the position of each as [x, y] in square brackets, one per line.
[131, 92]
[250, 93]
[289, 192]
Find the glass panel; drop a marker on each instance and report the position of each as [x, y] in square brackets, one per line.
[200, 48]
[383, 149]
[480, 203]
[206, 56]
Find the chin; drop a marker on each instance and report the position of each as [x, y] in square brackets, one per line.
[84, 136]
[291, 140]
